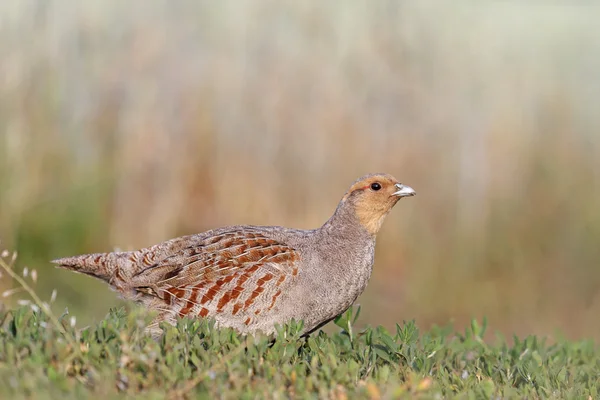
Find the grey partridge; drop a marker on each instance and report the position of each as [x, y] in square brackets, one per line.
[253, 277]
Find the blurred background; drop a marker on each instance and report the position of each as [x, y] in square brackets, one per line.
[123, 124]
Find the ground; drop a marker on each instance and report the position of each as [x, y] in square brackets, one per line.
[44, 358]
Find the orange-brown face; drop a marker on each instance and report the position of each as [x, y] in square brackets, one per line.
[373, 196]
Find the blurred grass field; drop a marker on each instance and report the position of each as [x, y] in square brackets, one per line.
[126, 124]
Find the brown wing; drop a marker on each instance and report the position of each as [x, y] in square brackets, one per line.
[238, 273]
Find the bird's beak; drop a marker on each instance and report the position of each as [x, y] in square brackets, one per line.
[404, 191]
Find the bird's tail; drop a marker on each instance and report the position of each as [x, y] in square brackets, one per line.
[105, 266]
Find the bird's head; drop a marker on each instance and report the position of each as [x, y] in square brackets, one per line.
[372, 197]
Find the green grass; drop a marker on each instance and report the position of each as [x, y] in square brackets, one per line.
[114, 359]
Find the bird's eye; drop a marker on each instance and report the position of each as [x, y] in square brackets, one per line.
[375, 186]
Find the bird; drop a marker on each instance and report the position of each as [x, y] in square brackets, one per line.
[253, 278]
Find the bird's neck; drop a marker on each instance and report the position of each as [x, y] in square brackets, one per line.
[345, 223]
[347, 249]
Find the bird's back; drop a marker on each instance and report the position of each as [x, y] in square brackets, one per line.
[234, 274]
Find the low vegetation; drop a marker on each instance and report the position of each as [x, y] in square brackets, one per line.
[114, 359]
